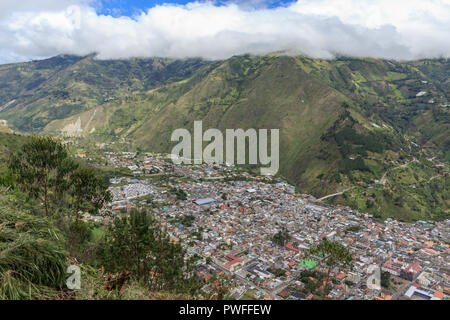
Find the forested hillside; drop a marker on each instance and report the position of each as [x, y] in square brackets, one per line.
[379, 129]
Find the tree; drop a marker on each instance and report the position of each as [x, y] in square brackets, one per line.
[44, 170]
[281, 238]
[385, 279]
[88, 191]
[220, 287]
[41, 168]
[335, 255]
[181, 195]
[138, 244]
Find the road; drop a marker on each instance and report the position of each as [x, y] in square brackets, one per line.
[382, 181]
[383, 178]
[401, 290]
[335, 194]
[432, 178]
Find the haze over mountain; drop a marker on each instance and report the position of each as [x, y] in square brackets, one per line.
[363, 125]
[400, 29]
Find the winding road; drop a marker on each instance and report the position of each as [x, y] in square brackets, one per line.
[383, 178]
[335, 194]
[382, 181]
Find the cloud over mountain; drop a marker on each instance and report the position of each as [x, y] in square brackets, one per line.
[392, 29]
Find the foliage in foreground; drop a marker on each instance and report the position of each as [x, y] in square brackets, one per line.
[53, 190]
[139, 245]
[32, 256]
[43, 170]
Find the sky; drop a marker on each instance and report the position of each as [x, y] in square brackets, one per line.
[133, 7]
[219, 29]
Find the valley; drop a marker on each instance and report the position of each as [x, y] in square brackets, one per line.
[229, 219]
[344, 123]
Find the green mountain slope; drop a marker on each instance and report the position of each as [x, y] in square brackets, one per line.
[413, 97]
[34, 93]
[345, 124]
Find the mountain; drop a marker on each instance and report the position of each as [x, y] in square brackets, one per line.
[378, 130]
[34, 93]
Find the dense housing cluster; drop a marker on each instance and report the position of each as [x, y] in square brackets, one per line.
[233, 222]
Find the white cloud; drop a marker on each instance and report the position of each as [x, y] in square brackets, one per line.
[393, 29]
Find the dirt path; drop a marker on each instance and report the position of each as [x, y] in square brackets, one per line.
[432, 178]
[90, 120]
[383, 178]
[382, 181]
[335, 194]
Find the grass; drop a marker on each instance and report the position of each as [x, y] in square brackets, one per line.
[309, 263]
[249, 295]
[97, 233]
[33, 263]
[32, 256]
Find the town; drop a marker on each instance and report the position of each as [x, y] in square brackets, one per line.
[229, 219]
